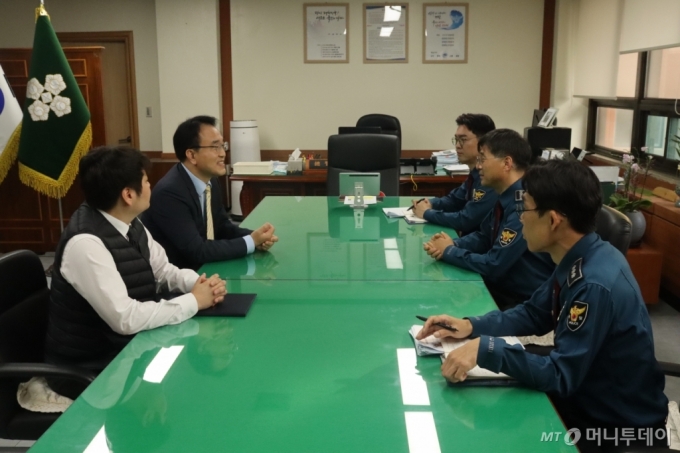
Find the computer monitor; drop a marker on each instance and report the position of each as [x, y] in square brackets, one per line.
[371, 183]
[359, 130]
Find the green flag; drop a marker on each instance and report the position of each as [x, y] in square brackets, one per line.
[56, 130]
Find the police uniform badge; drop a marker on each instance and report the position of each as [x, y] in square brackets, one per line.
[507, 236]
[577, 315]
[575, 273]
[478, 195]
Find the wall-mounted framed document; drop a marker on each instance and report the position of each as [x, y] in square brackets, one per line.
[326, 32]
[385, 33]
[445, 29]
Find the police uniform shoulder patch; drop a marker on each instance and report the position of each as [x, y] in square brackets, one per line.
[507, 236]
[478, 194]
[518, 195]
[577, 315]
[575, 273]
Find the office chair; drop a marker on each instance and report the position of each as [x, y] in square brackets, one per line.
[614, 227]
[24, 303]
[364, 153]
[388, 124]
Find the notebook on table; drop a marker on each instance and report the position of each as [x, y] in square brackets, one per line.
[233, 305]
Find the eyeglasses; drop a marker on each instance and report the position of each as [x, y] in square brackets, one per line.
[481, 158]
[521, 209]
[460, 140]
[224, 146]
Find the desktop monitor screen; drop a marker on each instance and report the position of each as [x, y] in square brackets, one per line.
[371, 183]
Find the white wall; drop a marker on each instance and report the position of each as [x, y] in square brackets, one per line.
[17, 26]
[573, 111]
[188, 60]
[300, 105]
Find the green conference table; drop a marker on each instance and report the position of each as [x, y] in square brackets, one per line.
[322, 362]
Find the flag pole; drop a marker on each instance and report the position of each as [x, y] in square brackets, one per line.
[61, 216]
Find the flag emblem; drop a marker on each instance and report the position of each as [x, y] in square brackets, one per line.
[43, 100]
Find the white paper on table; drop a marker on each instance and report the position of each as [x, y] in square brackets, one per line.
[368, 199]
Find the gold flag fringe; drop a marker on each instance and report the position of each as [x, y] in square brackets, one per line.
[9, 155]
[58, 188]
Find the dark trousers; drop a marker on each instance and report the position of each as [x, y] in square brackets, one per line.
[504, 298]
[67, 387]
[573, 419]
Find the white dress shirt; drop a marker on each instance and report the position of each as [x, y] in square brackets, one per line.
[89, 267]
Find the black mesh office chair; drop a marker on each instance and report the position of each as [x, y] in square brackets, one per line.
[614, 227]
[24, 302]
[364, 153]
[388, 124]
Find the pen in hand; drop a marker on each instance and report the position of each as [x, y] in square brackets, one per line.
[439, 324]
[422, 199]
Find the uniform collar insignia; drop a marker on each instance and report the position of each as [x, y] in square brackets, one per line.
[518, 195]
[575, 273]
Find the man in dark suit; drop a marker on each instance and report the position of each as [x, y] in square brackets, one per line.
[187, 216]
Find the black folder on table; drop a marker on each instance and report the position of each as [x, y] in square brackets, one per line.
[234, 305]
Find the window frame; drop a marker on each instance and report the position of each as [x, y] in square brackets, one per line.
[642, 107]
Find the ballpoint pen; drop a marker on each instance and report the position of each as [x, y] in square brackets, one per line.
[439, 324]
[422, 199]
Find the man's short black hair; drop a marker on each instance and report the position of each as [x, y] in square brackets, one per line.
[187, 134]
[478, 123]
[506, 142]
[567, 187]
[105, 171]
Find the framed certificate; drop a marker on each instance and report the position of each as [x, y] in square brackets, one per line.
[326, 32]
[445, 30]
[385, 33]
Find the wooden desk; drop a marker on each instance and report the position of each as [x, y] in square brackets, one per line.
[645, 262]
[256, 187]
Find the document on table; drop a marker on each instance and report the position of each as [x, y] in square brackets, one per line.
[433, 346]
[407, 214]
[368, 199]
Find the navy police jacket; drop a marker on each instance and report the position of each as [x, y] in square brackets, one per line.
[465, 207]
[504, 259]
[603, 363]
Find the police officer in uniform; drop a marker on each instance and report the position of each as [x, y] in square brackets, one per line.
[602, 373]
[498, 250]
[466, 206]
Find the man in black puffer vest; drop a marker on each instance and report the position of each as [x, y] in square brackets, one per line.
[108, 270]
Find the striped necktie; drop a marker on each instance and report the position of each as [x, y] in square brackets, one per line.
[210, 232]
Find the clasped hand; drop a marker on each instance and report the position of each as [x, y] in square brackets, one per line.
[209, 291]
[437, 245]
[461, 360]
[264, 237]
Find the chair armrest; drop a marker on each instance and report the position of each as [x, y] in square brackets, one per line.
[670, 369]
[29, 370]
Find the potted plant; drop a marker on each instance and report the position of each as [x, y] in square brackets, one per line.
[636, 167]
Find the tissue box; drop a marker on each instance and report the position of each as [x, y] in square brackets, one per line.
[295, 167]
[254, 168]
